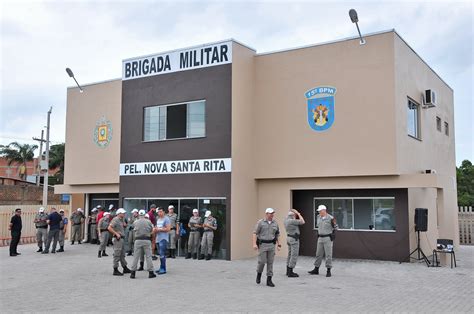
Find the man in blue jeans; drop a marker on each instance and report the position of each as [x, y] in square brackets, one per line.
[163, 226]
[54, 221]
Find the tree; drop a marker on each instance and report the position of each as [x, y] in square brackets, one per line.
[56, 160]
[18, 154]
[465, 180]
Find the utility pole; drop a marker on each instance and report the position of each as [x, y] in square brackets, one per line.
[46, 174]
[40, 156]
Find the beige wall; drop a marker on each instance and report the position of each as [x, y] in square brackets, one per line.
[434, 150]
[362, 138]
[85, 162]
[243, 185]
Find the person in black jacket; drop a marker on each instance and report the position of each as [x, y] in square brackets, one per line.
[15, 228]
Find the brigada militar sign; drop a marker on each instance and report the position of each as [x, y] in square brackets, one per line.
[178, 60]
[321, 107]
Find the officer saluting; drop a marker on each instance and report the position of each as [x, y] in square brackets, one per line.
[292, 226]
[264, 239]
[326, 225]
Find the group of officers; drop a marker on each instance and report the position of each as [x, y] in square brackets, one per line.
[158, 231]
[266, 238]
[148, 233]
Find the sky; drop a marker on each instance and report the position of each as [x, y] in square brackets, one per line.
[39, 39]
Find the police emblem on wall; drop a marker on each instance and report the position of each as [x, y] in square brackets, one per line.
[321, 107]
[103, 132]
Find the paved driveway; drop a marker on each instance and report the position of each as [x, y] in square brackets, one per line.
[77, 281]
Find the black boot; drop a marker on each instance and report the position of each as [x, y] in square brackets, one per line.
[72, 243]
[104, 254]
[168, 253]
[141, 266]
[259, 278]
[129, 253]
[116, 272]
[132, 275]
[53, 251]
[188, 256]
[291, 274]
[61, 249]
[173, 253]
[126, 270]
[208, 257]
[287, 270]
[40, 249]
[315, 271]
[269, 281]
[195, 255]
[151, 274]
[328, 273]
[79, 242]
[201, 256]
[99, 255]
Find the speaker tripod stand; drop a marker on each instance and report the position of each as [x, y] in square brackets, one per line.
[419, 251]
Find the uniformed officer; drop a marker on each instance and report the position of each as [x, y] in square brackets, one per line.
[41, 228]
[292, 225]
[209, 225]
[62, 230]
[116, 228]
[142, 229]
[326, 225]
[112, 211]
[131, 234]
[103, 233]
[195, 222]
[174, 232]
[92, 222]
[264, 239]
[77, 218]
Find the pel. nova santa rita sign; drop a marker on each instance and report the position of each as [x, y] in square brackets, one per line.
[176, 167]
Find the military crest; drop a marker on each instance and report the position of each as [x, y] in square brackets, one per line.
[103, 132]
[320, 104]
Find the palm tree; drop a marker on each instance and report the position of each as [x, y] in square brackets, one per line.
[56, 159]
[18, 154]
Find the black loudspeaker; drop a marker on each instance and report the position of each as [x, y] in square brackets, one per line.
[421, 219]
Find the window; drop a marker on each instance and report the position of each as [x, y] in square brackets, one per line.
[446, 128]
[359, 213]
[438, 123]
[175, 121]
[413, 119]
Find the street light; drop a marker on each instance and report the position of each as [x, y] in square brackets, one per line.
[355, 19]
[69, 72]
[46, 174]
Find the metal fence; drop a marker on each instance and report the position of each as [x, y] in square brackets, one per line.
[28, 213]
[466, 225]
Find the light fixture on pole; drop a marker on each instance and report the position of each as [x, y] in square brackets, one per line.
[69, 72]
[355, 19]
[46, 161]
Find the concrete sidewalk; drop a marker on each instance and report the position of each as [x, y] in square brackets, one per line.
[78, 281]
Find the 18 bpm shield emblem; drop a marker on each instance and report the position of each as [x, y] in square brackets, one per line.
[320, 107]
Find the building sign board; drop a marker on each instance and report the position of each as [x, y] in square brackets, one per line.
[178, 60]
[176, 167]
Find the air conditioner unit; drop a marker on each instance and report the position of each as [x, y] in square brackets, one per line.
[430, 98]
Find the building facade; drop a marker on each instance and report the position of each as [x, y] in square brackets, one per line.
[224, 128]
